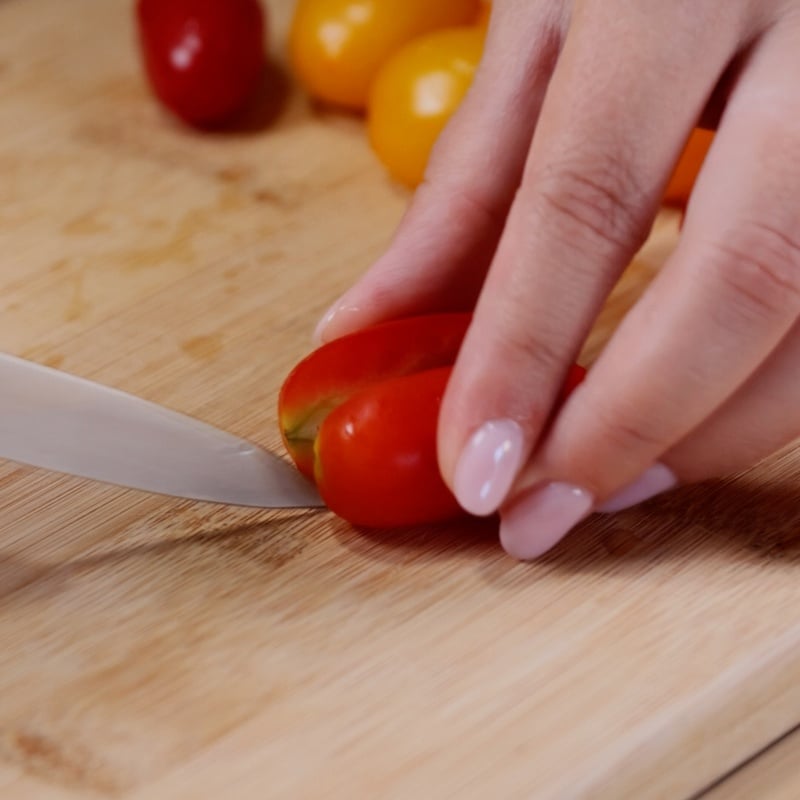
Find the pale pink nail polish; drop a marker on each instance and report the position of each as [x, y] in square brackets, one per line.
[539, 520]
[653, 481]
[488, 466]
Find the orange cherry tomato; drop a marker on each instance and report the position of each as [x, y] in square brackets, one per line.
[688, 167]
[484, 13]
[337, 46]
[415, 94]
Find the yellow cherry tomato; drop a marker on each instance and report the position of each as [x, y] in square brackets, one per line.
[337, 46]
[415, 94]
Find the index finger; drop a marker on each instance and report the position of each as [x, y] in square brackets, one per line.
[618, 110]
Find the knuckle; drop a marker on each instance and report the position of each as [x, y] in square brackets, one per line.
[530, 352]
[466, 205]
[601, 201]
[628, 433]
[759, 267]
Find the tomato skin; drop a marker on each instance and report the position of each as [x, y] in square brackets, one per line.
[342, 367]
[414, 95]
[688, 168]
[203, 58]
[376, 463]
[337, 46]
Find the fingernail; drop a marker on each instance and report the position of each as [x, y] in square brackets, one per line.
[334, 317]
[488, 466]
[655, 480]
[542, 518]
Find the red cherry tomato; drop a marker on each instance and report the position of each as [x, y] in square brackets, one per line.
[376, 462]
[203, 58]
[359, 416]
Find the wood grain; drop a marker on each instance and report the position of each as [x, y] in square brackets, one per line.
[158, 649]
[774, 775]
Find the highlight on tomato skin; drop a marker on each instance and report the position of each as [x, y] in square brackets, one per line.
[414, 95]
[375, 458]
[332, 373]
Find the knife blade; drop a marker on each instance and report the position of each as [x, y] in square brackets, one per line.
[59, 422]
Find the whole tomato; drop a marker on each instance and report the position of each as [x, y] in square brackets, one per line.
[337, 46]
[359, 417]
[688, 167]
[414, 95]
[203, 58]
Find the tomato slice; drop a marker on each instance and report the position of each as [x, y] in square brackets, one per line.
[376, 463]
[337, 370]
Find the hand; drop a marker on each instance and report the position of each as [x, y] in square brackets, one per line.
[537, 196]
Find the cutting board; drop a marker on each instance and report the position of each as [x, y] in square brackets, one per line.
[771, 775]
[154, 649]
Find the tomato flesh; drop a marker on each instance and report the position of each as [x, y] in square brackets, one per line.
[203, 58]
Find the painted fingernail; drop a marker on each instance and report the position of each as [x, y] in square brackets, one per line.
[333, 318]
[655, 480]
[539, 520]
[488, 466]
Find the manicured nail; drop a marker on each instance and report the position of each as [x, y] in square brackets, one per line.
[653, 481]
[333, 318]
[324, 322]
[540, 519]
[488, 466]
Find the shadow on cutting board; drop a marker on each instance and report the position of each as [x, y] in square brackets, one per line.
[734, 518]
[751, 517]
[268, 103]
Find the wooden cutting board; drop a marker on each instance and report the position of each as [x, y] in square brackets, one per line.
[158, 649]
[771, 775]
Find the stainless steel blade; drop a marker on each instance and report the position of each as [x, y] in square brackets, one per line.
[59, 422]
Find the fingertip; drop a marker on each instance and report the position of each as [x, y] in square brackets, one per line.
[653, 481]
[540, 519]
[340, 319]
[488, 465]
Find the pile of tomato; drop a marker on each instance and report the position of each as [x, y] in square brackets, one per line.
[404, 64]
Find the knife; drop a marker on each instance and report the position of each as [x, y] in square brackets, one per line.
[59, 422]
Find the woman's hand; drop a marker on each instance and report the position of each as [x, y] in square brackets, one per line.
[537, 196]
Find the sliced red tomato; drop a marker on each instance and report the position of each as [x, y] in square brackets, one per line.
[376, 462]
[359, 416]
[331, 374]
